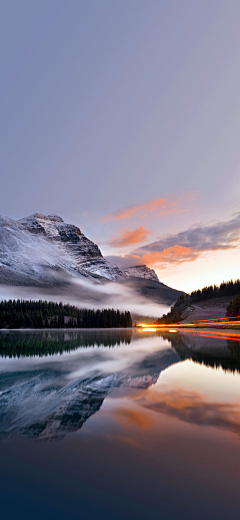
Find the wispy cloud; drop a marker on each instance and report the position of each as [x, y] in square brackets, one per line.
[190, 244]
[155, 208]
[187, 245]
[171, 255]
[125, 238]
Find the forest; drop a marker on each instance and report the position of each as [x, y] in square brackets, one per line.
[17, 314]
[233, 309]
[213, 291]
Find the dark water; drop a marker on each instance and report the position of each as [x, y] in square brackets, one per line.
[119, 425]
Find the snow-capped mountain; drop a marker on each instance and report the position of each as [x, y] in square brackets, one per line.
[39, 243]
[45, 252]
[141, 271]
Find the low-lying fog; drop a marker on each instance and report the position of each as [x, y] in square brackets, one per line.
[85, 294]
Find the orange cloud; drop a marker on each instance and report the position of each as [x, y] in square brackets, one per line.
[173, 255]
[158, 206]
[126, 238]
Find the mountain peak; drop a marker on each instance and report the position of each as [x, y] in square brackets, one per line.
[44, 251]
[40, 216]
[51, 226]
[38, 243]
[141, 271]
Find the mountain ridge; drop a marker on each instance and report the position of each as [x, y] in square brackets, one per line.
[141, 271]
[44, 251]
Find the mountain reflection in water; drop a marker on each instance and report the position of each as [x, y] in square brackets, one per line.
[45, 396]
[148, 425]
[49, 395]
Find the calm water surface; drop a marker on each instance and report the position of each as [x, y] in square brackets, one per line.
[119, 425]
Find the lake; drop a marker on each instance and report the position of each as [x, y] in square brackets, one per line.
[119, 424]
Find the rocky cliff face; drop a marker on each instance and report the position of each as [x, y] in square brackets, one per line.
[40, 241]
[141, 271]
[44, 252]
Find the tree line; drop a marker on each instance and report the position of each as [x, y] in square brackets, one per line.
[17, 314]
[233, 309]
[212, 291]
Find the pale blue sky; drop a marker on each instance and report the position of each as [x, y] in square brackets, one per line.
[112, 104]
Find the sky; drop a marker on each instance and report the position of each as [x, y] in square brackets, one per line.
[123, 117]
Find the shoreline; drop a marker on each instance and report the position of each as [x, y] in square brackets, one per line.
[225, 326]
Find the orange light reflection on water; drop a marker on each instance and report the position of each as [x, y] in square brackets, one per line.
[148, 329]
[234, 336]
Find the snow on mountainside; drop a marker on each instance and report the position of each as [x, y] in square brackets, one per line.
[37, 245]
[46, 254]
[141, 271]
[38, 242]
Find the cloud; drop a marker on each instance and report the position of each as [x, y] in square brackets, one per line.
[126, 238]
[84, 293]
[222, 235]
[185, 246]
[156, 207]
[172, 255]
[188, 245]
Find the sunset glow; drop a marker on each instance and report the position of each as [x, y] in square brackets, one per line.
[120, 221]
[155, 208]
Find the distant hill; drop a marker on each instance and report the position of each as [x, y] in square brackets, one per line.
[211, 302]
